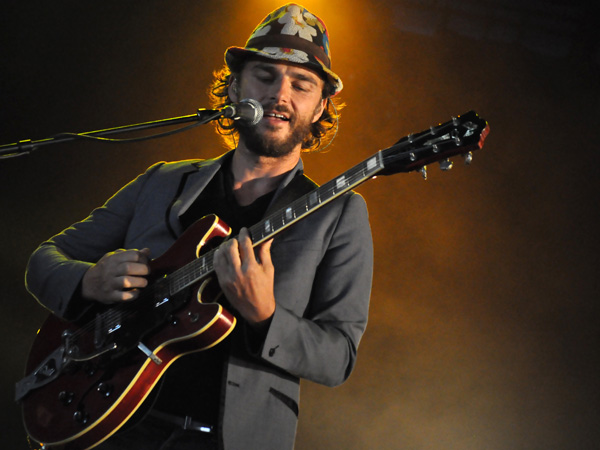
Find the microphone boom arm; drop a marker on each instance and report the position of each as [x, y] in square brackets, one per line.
[26, 146]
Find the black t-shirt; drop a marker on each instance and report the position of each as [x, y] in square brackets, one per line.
[192, 385]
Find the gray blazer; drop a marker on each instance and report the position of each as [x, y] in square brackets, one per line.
[323, 273]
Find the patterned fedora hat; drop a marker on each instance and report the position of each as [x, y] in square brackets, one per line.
[290, 33]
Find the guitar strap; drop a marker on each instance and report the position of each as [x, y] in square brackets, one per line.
[299, 186]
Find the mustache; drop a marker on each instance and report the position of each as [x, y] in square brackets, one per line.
[280, 108]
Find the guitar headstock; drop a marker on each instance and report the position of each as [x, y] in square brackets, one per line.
[459, 136]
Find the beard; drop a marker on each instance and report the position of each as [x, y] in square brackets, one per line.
[263, 144]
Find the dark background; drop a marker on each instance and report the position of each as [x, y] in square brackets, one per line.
[483, 330]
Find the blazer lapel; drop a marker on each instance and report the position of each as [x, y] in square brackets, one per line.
[192, 184]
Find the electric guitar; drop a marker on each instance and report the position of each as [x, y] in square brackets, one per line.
[85, 379]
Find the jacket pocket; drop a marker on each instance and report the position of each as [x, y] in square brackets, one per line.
[288, 401]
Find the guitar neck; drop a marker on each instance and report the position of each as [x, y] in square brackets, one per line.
[461, 135]
[309, 203]
[278, 221]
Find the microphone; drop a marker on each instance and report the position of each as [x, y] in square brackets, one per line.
[248, 111]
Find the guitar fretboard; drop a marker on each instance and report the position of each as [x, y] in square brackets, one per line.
[315, 199]
[283, 218]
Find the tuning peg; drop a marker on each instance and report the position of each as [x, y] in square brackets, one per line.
[468, 158]
[423, 171]
[446, 164]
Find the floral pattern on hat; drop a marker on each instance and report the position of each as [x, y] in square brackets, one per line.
[295, 23]
[286, 54]
[262, 31]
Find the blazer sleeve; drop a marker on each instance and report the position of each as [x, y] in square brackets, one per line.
[56, 267]
[321, 345]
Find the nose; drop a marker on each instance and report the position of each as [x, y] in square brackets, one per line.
[281, 90]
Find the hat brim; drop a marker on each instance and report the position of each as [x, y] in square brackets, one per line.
[235, 57]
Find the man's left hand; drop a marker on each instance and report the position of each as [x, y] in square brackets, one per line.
[247, 281]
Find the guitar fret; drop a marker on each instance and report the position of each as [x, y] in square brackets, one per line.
[189, 274]
[255, 234]
[313, 199]
[280, 221]
[305, 204]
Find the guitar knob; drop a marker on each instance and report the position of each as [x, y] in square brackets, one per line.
[194, 317]
[105, 389]
[81, 417]
[65, 397]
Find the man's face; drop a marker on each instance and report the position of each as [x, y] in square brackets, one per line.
[291, 96]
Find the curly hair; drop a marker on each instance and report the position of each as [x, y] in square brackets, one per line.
[321, 132]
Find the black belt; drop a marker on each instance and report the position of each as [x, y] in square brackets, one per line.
[185, 422]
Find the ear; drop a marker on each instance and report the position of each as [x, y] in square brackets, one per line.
[319, 110]
[232, 90]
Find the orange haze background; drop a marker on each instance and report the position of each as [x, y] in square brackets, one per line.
[483, 329]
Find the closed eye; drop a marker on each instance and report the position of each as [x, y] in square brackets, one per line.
[265, 78]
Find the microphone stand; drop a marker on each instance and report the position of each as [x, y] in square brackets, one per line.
[27, 146]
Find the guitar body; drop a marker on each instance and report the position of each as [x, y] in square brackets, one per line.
[90, 400]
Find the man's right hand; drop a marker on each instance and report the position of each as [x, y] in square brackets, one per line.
[117, 276]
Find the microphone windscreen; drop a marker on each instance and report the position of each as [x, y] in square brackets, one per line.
[249, 111]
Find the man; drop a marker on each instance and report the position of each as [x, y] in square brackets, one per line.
[301, 300]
